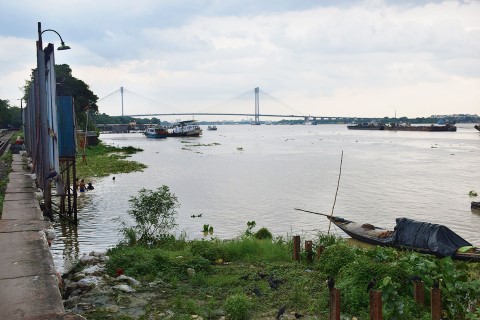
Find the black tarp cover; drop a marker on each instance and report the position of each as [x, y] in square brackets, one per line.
[436, 238]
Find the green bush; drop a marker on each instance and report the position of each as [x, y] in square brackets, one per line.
[210, 250]
[238, 307]
[336, 257]
[263, 233]
[154, 215]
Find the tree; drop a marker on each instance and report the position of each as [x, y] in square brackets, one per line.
[84, 99]
[67, 85]
[154, 214]
[9, 116]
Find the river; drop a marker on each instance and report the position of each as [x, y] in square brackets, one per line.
[241, 173]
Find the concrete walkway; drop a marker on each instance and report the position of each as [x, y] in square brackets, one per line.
[28, 280]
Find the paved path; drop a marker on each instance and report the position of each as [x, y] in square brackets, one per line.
[28, 280]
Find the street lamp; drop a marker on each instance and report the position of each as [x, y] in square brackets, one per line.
[40, 32]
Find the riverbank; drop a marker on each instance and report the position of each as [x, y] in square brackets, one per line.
[249, 278]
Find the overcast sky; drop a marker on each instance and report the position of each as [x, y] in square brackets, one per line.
[330, 58]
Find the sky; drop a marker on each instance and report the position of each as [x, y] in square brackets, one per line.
[323, 58]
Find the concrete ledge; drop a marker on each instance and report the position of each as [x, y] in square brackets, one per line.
[30, 297]
[27, 255]
[28, 279]
[20, 225]
[19, 196]
[15, 211]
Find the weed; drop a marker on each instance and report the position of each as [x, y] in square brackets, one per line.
[239, 307]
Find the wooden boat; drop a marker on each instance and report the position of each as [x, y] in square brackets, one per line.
[413, 235]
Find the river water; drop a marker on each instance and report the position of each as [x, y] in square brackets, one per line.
[241, 173]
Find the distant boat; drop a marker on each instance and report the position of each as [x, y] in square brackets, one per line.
[212, 128]
[431, 128]
[157, 132]
[475, 205]
[185, 129]
[477, 126]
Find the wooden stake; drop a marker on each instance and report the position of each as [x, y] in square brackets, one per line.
[436, 303]
[376, 305]
[296, 248]
[308, 249]
[419, 292]
[320, 251]
[336, 192]
[334, 304]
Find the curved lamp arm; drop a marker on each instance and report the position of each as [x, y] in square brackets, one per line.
[63, 46]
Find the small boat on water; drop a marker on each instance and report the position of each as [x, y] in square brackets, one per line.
[157, 132]
[475, 205]
[413, 235]
[477, 126]
[185, 129]
[212, 128]
[366, 126]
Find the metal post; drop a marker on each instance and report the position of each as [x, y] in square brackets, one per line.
[45, 160]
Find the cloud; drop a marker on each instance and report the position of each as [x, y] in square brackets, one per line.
[195, 55]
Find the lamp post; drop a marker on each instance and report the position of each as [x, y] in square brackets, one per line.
[42, 117]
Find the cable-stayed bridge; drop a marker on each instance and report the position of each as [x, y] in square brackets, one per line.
[252, 100]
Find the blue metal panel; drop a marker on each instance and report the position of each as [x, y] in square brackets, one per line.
[66, 127]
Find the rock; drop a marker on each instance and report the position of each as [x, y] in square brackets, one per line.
[196, 316]
[97, 254]
[78, 276]
[87, 283]
[112, 309]
[93, 270]
[191, 272]
[127, 279]
[123, 288]
[85, 259]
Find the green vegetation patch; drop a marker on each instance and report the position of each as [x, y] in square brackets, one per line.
[103, 160]
[5, 168]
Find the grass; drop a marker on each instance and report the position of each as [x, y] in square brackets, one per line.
[103, 160]
[248, 278]
[5, 168]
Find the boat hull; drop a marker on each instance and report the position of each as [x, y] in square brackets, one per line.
[366, 127]
[432, 128]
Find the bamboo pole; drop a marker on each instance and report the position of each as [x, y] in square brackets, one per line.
[336, 192]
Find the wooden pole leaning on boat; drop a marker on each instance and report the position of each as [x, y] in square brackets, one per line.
[336, 192]
[321, 214]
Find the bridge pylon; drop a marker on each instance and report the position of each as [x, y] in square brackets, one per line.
[257, 106]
